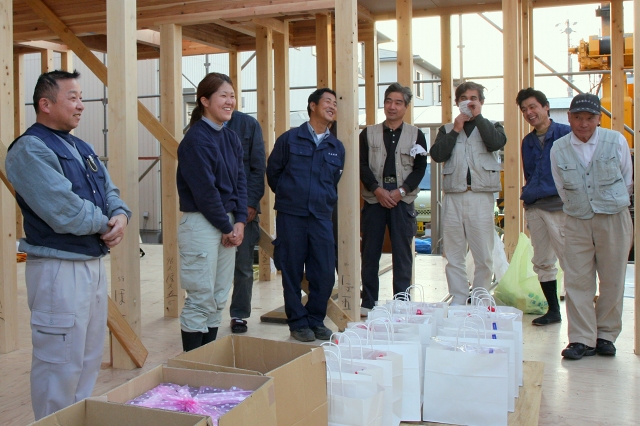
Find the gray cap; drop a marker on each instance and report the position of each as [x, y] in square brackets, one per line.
[585, 102]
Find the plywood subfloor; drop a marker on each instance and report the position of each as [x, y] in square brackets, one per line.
[593, 391]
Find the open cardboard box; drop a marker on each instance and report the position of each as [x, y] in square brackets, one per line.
[90, 412]
[258, 409]
[298, 370]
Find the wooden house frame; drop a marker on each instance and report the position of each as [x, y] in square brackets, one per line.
[129, 30]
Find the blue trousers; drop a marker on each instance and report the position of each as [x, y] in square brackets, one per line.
[305, 244]
[243, 275]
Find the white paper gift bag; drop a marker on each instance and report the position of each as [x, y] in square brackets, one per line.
[465, 385]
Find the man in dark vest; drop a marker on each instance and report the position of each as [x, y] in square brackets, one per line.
[72, 214]
[392, 164]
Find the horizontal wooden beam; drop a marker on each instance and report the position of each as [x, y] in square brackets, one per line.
[44, 45]
[242, 29]
[275, 24]
[440, 11]
[206, 35]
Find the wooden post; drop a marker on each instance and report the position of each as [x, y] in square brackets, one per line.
[512, 175]
[324, 55]
[404, 16]
[235, 74]
[171, 119]
[66, 61]
[123, 138]
[264, 63]
[371, 76]
[618, 76]
[281, 81]
[636, 172]
[348, 190]
[46, 61]
[8, 271]
[18, 120]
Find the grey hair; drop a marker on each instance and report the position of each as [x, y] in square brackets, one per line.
[399, 88]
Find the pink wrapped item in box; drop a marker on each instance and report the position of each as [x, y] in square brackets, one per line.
[205, 400]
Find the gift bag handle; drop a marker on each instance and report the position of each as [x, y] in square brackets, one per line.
[417, 287]
[384, 321]
[464, 327]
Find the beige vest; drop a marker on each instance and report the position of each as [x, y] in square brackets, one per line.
[403, 158]
[470, 153]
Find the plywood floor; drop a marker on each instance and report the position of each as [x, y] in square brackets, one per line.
[593, 391]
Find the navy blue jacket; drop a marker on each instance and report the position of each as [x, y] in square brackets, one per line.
[304, 176]
[537, 165]
[250, 133]
[210, 175]
[86, 183]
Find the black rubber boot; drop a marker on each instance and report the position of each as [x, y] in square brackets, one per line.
[550, 290]
[191, 340]
[210, 336]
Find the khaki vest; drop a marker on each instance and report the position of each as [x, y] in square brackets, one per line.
[403, 158]
[470, 153]
[597, 188]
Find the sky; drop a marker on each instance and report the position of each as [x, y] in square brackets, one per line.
[482, 51]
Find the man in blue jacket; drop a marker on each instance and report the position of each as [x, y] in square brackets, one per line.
[250, 133]
[303, 171]
[72, 215]
[542, 204]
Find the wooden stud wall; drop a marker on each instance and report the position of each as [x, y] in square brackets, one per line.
[235, 74]
[171, 117]
[404, 16]
[18, 120]
[618, 76]
[123, 138]
[371, 76]
[264, 63]
[8, 270]
[349, 186]
[324, 52]
[512, 174]
[281, 81]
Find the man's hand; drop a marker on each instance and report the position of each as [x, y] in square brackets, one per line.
[475, 107]
[384, 198]
[458, 123]
[116, 230]
[395, 195]
[237, 235]
[252, 214]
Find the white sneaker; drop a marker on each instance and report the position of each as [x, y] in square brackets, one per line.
[364, 312]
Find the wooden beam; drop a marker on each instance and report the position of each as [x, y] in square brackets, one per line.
[200, 13]
[264, 81]
[8, 270]
[66, 61]
[203, 34]
[324, 55]
[242, 29]
[404, 17]
[276, 25]
[281, 81]
[346, 16]
[442, 11]
[235, 74]
[527, 44]
[46, 61]
[636, 183]
[125, 335]
[100, 71]
[148, 37]
[371, 77]
[446, 85]
[123, 138]
[365, 14]
[44, 45]
[618, 76]
[512, 175]
[18, 121]
[171, 119]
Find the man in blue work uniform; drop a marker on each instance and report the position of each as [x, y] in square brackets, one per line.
[303, 171]
[250, 133]
[542, 204]
[72, 215]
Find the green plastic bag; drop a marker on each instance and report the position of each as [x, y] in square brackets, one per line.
[519, 287]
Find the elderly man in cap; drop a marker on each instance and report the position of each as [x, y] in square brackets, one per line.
[592, 170]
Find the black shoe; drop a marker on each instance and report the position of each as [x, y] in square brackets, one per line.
[605, 347]
[548, 318]
[577, 351]
[210, 336]
[238, 325]
[191, 340]
[321, 332]
[303, 334]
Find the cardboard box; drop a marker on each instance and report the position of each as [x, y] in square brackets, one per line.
[259, 409]
[298, 370]
[91, 412]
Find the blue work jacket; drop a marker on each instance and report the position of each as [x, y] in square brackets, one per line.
[536, 164]
[304, 176]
